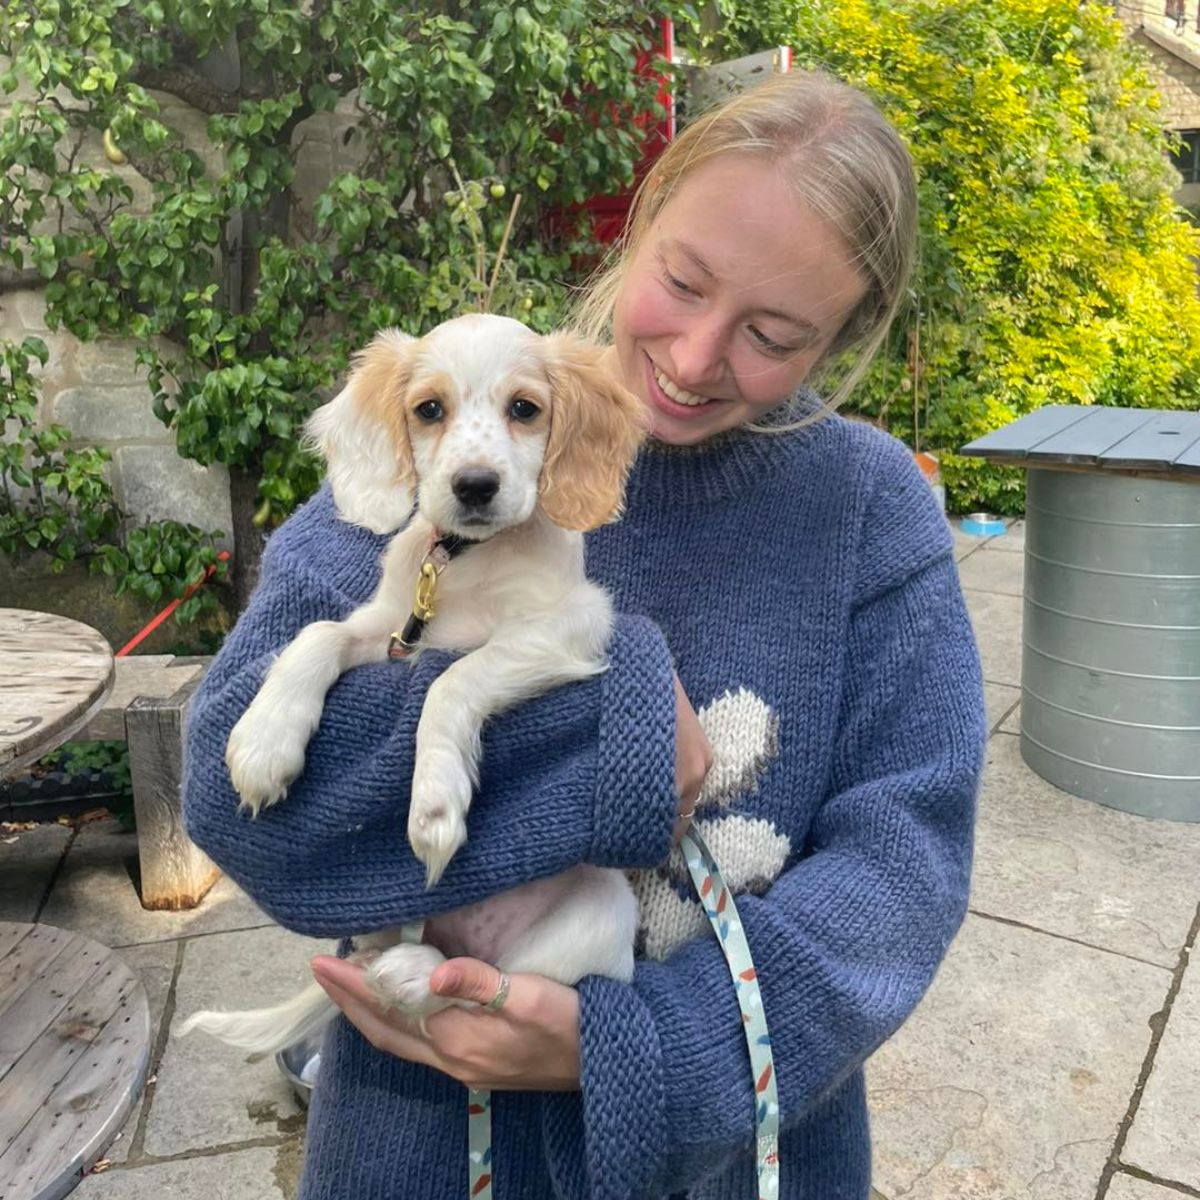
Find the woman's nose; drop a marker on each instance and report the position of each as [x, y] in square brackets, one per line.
[698, 356]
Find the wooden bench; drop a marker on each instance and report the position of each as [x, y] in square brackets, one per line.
[147, 708]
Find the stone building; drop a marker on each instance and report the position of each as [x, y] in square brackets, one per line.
[1170, 32]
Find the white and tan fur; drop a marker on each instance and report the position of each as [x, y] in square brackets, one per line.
[517, 603]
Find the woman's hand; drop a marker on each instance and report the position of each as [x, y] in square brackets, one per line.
[693, 758]
[531, 1044]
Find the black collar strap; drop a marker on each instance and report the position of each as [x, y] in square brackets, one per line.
[443, 548]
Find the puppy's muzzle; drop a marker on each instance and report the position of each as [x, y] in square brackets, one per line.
[475, 487]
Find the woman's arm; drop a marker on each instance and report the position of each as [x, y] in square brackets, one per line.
[845, 943]
[583, 774]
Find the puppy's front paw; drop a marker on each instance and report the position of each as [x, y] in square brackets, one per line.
[441, 795]
[399, 977]
[264, 755]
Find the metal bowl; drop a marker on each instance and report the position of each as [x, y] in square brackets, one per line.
[982, 524]
[299, 1064]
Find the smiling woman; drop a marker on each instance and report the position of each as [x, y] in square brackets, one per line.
[787, 614]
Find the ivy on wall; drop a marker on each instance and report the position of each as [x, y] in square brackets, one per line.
[265, 299]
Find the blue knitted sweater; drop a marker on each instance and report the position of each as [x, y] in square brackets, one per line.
[804, 588]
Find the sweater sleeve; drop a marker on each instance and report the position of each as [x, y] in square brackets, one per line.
[585, 773]
[845, 942]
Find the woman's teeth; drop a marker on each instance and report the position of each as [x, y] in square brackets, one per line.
[678, 394]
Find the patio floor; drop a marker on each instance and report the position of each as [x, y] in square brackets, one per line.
[1057, 1056]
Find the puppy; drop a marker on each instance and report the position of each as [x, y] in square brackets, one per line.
[513, 445]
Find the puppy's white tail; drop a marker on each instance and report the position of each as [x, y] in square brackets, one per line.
[264, 1030]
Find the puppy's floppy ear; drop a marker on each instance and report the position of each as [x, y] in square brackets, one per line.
[362, 436]
[596, 426]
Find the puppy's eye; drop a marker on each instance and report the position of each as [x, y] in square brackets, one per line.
[523, 410]
[430, 410]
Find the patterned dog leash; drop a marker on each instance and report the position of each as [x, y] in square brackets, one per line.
[722, 913]
[719, 907]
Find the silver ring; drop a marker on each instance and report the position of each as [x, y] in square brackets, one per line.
[497, 1001]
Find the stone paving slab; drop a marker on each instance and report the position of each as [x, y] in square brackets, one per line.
[1048, 859]
[155, 965]
[994, 571]
[95, 896]
[241, 1175]
[998, 699]
[997, 623]
[1013, 1075]
[1126, 1187]
[1011, 540]
[208, 1095]
[1164, 1139]
[27, 864]
[1012, 723]
[964, 544]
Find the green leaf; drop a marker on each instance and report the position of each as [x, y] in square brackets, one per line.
[322, 97]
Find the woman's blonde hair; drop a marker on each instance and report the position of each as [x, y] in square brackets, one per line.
[846, 163]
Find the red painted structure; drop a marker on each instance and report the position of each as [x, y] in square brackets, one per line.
[607, 214]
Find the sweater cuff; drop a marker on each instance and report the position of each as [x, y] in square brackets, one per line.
[635, 801]
[608, 1141]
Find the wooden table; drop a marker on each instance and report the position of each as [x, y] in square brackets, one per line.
[74, 1019]
[74, 1055]
[56, 674]
[1110, 671]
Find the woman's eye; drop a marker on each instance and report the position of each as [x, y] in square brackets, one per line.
[430, 410]
[523, 410]
[677, 285]
[767, 346]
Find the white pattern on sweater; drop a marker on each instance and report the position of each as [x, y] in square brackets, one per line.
[744, 735]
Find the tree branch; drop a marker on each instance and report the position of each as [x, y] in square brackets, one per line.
[13, 279]
[190, 86]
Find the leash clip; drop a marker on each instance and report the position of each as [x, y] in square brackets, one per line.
[403, 644]
[426, 587]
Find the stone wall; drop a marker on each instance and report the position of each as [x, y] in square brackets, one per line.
[94, 388]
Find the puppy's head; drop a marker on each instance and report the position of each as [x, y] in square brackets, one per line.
[482, 419]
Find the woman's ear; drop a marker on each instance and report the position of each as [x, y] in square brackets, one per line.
[362, 436]
[596, 426]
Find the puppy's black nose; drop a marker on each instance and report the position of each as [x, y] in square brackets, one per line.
[475, 486]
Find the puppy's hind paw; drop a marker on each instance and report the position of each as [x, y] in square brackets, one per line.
[399, 978]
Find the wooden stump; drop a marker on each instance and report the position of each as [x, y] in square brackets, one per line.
[74, 1056]
[176, 874]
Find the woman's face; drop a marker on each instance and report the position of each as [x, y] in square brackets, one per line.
[734, 294]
